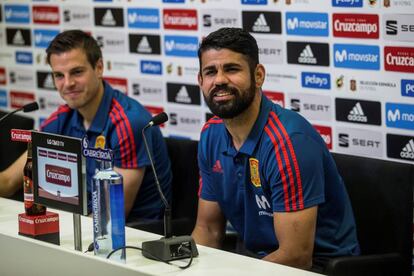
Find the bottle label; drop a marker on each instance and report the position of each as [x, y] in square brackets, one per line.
[28, 192]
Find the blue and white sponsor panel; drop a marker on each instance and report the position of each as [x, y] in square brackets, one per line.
[399, 115]
[181, 46]
[43, 37]
[348, 3]
[3, 98]
[24, 57]
[316, 80]
[407, 88]
[352, 56]
[145, 18]
[151, 67]
[307, 24]
[17, 14]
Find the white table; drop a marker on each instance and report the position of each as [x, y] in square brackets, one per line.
[23, 256]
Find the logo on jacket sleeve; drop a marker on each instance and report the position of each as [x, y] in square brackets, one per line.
[254, 172]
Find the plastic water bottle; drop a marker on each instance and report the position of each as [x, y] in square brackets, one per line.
[108, 212]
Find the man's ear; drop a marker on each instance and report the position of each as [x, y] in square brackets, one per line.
[260, 74]
[99, 67]
[200, 79]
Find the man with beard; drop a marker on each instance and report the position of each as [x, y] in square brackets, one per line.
[264, 168]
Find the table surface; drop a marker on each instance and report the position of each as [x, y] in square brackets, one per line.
[40, 257]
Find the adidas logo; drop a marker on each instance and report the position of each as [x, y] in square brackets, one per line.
[260, 25]
[144, 46]
[306, 56]
[108, 19]
[182, 96]
[217, 167]
[357, 114]
[48, 83]
[18, 38]
[408, 151]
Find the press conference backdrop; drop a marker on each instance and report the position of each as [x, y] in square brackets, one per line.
[345, 65]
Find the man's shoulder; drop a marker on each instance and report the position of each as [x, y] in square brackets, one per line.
[213, 125]
[60, 114]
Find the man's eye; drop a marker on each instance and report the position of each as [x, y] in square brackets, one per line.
[58, 76]
[77, 72]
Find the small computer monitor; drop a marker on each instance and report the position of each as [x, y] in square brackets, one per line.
[59, 172]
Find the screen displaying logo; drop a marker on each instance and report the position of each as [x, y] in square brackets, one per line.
[364, 57]
[312, 107]
[45, 80]
[151, 67]
[400, 147]
[175, 19]
[326, 134]
[358, 111]
[23, 57]
[308, 53]
[16, 14]
[316, 80]
[109, 17]
[399, 59]
[216, 19]
[348, 3]
[145, 44]
[360, 141]
[307, 24]
[407, 88]
[58, 175]
[144, 18]
[18, 37]
[262, 22]
[183, 93]
[399, 27]
[355, 25]
[181, 46]
[46, 15]
[400, 115]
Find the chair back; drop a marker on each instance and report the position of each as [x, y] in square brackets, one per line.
[381, 194]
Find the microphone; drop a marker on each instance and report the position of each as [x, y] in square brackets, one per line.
[168, 248]
[26, 108]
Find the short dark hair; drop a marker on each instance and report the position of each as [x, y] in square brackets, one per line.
[235, 39]
[75, 39]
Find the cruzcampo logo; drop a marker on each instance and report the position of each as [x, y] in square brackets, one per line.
[254, 172]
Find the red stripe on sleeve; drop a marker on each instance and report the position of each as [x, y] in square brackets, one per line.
[294, 159]
[279, 164]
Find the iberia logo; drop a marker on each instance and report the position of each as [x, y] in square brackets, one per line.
[254, 172]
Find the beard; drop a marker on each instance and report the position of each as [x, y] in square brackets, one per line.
[232, 108]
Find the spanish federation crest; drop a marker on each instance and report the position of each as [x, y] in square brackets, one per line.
[254, 172]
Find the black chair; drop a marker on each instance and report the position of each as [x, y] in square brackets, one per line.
[9, 150]
[184, 167]
[381, 194]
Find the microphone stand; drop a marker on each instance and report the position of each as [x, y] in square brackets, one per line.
[168, 248]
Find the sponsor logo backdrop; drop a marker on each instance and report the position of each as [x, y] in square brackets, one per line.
[346, 66]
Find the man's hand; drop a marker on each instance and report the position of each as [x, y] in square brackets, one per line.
[11, 179]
